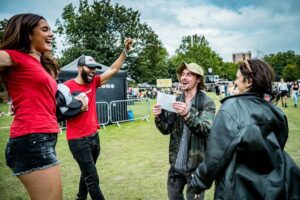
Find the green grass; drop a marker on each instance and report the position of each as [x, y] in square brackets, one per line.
[133, 163]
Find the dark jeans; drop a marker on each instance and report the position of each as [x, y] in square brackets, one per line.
[176, 182]
[86, 151]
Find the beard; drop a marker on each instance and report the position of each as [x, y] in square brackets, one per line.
[85, 77]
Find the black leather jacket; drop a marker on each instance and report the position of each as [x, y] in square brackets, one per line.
[245, 153]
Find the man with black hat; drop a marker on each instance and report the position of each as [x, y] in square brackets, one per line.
[189, 128]
[82, 130]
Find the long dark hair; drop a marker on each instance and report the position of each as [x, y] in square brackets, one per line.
[50, 63]
[16, 37]
[260, 72]
[17, 31]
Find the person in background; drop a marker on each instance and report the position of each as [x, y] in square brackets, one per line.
[10, 110]
[188, 128]
[230, 88]
[245, 155]
[30, 151]
[295, 92]
[283, 88]
[82, 130]
[222, 90]
[217, 89]
[226, 89]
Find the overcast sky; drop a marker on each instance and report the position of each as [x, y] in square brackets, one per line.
[259, 26]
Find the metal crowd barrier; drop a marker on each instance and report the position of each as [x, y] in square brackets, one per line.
[121, 111]
[102, 109]
[129, 110]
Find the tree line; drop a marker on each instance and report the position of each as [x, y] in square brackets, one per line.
[98, 29]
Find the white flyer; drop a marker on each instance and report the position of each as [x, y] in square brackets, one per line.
[166, 101]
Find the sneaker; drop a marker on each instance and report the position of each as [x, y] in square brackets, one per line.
[285, 105]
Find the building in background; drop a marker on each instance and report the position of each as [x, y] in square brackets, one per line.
[240, 57]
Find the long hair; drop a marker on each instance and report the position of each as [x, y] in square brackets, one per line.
[201, 85]
[261, 73]
[16, 37]
[17, 31]
[50, 63]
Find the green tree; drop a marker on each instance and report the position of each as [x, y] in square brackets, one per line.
[228, 70]
[290, 73]
[152, 63]
[172, 69]
[196, 49]
[280, 60]
[297, 63]
[3, 24]
[99, 30]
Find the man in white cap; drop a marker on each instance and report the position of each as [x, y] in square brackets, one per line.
[82, 130]
[189, 128]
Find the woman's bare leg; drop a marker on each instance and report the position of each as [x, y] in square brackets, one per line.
[43, 184]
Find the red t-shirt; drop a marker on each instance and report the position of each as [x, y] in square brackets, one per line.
[32, 91]
[85, 123]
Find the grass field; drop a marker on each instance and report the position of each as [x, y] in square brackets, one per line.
[133, 162]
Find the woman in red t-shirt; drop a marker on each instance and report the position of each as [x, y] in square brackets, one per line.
[30, 151]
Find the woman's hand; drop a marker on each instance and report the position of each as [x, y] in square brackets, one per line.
[156, 110]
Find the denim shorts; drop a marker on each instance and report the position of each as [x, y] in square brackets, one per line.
[31, 152]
